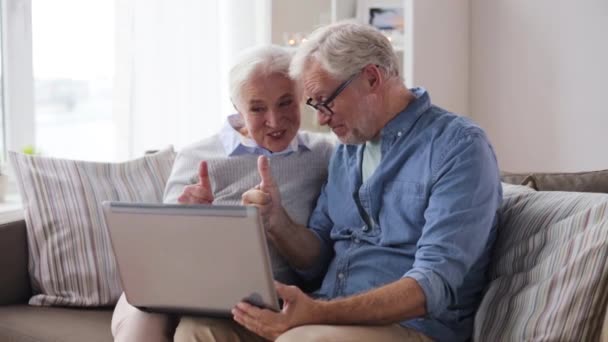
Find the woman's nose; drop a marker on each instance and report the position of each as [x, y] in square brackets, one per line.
[272, 119]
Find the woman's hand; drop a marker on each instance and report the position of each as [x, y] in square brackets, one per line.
[201, 192]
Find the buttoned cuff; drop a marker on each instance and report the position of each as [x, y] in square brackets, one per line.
[434, 288]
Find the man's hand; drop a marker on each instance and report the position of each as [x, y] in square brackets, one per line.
[298, 309]
[201, 192]
[267, 198]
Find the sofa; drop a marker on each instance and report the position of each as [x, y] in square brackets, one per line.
[22, 322]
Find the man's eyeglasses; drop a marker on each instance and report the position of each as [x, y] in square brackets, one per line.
[324, 106]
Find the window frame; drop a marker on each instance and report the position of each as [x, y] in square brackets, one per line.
[18, 80]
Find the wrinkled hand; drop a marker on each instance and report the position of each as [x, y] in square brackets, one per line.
[201, 192]
[267, 198]
[298, 309]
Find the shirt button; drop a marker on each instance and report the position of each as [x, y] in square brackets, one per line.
[357, 240]
[365, 228]
[341, 275]
[399, 134]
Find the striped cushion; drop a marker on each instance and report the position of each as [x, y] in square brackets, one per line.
[549, 272]
[70, 258]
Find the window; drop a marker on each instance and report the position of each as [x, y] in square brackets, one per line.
[2, 119]
[58, 68]
[73, 67]
[108, 80]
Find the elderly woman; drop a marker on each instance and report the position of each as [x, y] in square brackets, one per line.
[218, 170]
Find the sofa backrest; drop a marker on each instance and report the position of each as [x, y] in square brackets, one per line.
[590, 181]
[14, 284]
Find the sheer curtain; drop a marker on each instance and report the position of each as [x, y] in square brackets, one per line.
[173, 58]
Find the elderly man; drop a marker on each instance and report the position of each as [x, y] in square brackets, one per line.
[402, 231]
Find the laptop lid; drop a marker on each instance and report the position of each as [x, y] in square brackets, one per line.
[199, 259]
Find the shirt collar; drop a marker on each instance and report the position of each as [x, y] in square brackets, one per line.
[405, 120]
[236, 144]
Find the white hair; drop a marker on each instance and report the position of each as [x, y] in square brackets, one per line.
[344, 48]
[267, 60]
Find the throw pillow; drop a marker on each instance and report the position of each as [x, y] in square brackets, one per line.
[548, 274]
[511, 189]
[519, 179]
[70, 257]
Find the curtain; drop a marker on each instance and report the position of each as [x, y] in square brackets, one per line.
[173, 58]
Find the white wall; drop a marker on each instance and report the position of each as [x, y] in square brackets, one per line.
[539, 82]
[298, 16]
[437, 50]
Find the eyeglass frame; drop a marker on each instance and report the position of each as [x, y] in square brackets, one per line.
[325, 104]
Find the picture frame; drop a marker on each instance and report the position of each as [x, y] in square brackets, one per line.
[385, 15]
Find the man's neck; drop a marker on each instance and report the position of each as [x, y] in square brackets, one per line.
[397, 97]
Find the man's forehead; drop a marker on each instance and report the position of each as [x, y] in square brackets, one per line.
[315, 79]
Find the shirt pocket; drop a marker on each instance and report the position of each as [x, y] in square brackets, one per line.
[399, 189]
[402, 212]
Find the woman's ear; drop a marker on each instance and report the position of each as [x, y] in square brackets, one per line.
[238, 122]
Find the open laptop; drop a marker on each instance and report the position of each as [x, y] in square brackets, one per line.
[199, 259]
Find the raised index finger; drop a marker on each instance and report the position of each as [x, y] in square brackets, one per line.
[203, 175]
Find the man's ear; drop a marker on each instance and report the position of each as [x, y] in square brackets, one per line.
[373, 76]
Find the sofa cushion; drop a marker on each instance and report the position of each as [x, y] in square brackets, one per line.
[592, 181]
[70, 258]
[24, 323]
[549, 271]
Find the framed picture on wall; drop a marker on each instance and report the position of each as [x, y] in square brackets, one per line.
[385, 15]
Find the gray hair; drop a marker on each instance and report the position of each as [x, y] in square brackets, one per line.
[344, 48]
[268, 59]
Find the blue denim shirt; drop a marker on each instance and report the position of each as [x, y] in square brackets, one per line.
[433, 201]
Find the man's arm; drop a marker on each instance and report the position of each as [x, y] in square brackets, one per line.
[298, 244]
[303, 248]
[459, 221]
[397, 301]
[394, 302]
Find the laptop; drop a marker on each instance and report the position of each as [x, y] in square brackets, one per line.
[195, 259]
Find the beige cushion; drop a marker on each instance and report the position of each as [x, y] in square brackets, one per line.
[549, 271]
[23, 323]
[592, 181]
[70, 258]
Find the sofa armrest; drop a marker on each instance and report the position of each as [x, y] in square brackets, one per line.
[14, 278]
